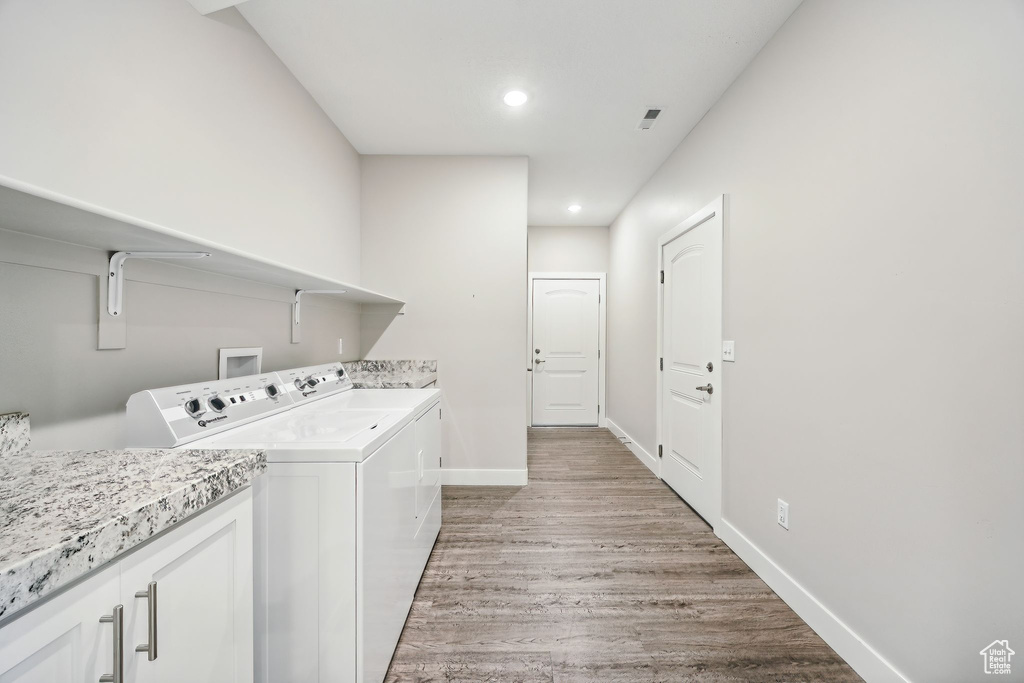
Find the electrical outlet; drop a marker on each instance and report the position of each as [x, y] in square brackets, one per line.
[783, 514]
[729, 351]
[341, 346]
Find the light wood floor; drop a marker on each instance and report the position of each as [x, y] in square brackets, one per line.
[596, 571]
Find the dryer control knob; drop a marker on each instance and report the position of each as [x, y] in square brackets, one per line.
[194, 407]
[217, 404]
[312, 381]
[272, 391]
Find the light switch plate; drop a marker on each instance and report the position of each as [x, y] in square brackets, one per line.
[729, 351]
[783, 514]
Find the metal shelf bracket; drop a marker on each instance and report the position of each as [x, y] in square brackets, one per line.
[115, 274]
[297, 306]
[112, 330]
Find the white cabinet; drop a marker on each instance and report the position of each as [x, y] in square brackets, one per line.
[63, 639]
[202, 571]
[202, 574]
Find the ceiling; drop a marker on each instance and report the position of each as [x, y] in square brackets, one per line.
[427, 77]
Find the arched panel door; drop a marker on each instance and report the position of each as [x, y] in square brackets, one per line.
[566, 336]
[691, 379]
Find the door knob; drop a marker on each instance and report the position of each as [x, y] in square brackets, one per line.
[710, 389]
[537, 361]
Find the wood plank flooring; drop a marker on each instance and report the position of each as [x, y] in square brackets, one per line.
[596, 571]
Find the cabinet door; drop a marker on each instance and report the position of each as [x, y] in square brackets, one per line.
[428, 458]
[63, 639]
[204, 606]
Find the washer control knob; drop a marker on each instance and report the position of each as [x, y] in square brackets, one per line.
[194, 407]
[272, 391]
[341, 373]
[312, 381]
[217, 404]
[300, 384]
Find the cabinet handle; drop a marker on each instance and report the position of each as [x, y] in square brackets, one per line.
[150, 595]
[117, 619]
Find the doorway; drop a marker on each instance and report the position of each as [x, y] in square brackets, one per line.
[565, 359]
[689, 360]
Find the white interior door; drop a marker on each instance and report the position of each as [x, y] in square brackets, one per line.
[566, 338]
[690, 416]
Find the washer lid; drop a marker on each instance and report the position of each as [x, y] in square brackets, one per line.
[300, 436]
[295, 427]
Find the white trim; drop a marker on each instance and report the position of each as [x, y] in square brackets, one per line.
[653, 463]
[715, 209]
[867, 662]
[484, 477]
[602, 366]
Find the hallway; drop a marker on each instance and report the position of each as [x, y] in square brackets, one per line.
[596, 571]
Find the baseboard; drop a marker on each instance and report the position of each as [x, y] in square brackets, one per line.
[635, 448]
[859, 655]
[484, 477]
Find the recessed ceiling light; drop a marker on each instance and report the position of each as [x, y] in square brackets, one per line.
[515, 98]
[575, 208]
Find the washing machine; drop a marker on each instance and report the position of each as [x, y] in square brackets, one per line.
[346, 513]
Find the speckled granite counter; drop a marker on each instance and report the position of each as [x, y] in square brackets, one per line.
[14, 436]
[391, 374]
[64, 513]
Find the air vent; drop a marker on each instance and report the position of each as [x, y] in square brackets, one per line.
[647, 122]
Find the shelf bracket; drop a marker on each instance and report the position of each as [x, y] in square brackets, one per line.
[115, 275]
[112, 328]
[296, 308]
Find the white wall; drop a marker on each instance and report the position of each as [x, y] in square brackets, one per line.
[448, 235]
[567, 248]
[179, 319]
[153, 110]
[871, 156]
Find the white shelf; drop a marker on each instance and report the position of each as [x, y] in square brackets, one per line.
[28, 209]
[35, 211]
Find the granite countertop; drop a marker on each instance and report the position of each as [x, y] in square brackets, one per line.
[14, 436]
[367, 380]
[391, 374]
[64, 513]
